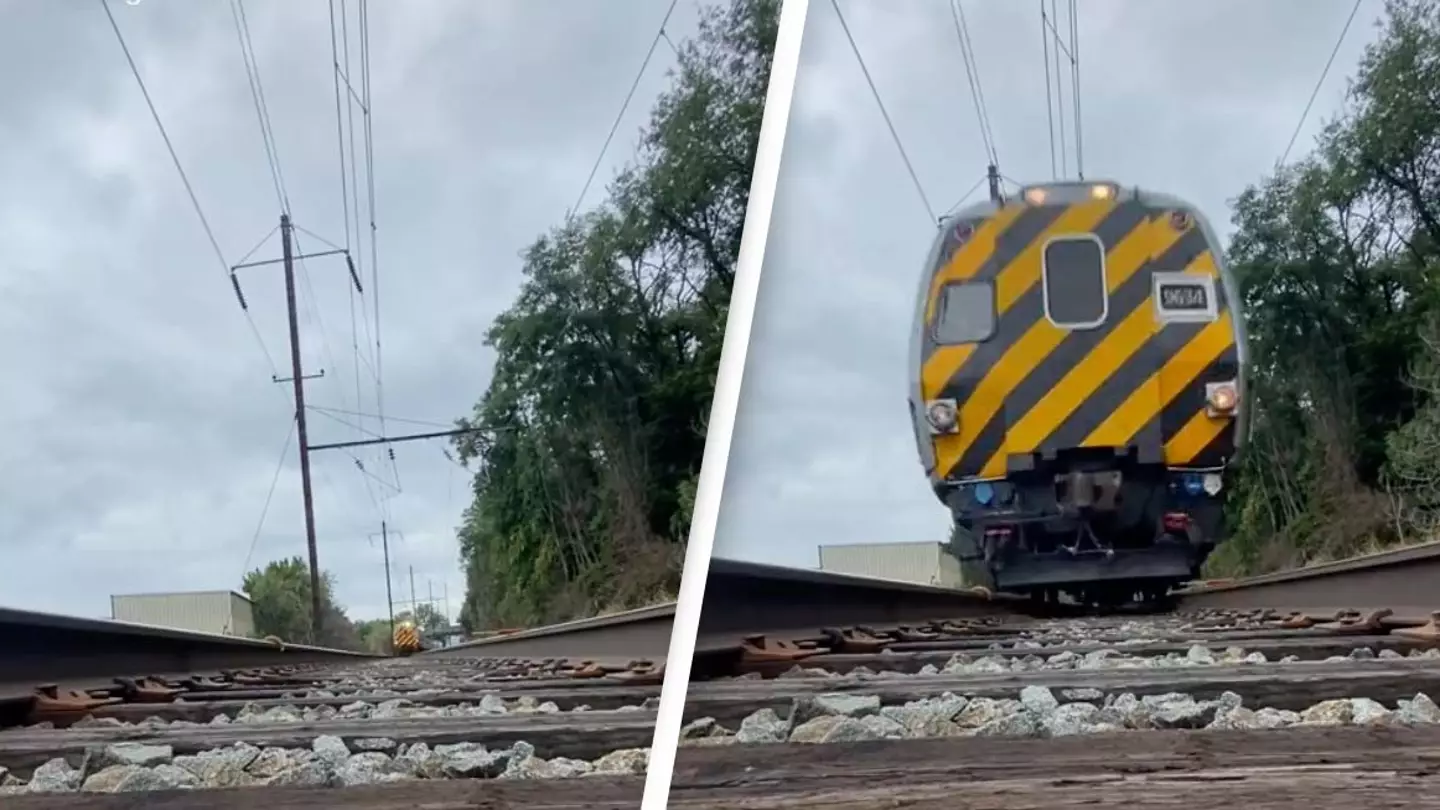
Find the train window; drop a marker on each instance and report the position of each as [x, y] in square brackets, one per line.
[1075, 293]
[1183, 297]
[966, 313]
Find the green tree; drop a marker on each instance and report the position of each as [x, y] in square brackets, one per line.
[1337, 258]
[374, 635]
[280, 593]
[425, 616]
[594, 422]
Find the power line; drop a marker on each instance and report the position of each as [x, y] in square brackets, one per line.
[1069, 45]
[265, 510]
[966, 195]
[184, 178]
[972, 75]
[1075, 87]
[1059, 91]
[257, 95]
[1318, 84]
[1049, 95]
[615, 126]
[914, 178]
[424, 422]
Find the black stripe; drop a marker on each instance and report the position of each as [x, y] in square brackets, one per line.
[1023, 230]
[1218, 451]
[1014, 240]
[1125, 217]
[1039, 381]
[1153, 354]
[990, 439]
[1119, 386]
[1023, 313]
[1191, 399]
[951, 243]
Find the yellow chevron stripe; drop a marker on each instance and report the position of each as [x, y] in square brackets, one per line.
[1149, 239]
[1162, 386]
[1193, 438]
[971, 255]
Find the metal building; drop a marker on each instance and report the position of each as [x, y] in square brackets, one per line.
[927, 563]
[221, 612]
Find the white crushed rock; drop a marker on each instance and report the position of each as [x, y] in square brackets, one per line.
[329, 762]
[374, 704]
[1039, 713]
[1108, 658]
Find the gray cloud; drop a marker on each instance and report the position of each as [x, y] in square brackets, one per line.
[1193, 98]
[142, 429]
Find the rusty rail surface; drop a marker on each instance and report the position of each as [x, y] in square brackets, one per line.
[640, 633]
[1403, 581]
[59, 669]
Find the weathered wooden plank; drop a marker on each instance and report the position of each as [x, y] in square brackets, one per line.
[1220, 789]
[584, 793]
[1283, 686]
[585, 735]
[1190, 769]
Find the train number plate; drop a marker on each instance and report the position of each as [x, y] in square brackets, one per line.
[1184, 297]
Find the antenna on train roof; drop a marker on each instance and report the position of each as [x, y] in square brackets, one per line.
[993, 175]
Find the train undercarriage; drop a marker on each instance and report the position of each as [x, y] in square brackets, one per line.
[1093, 534]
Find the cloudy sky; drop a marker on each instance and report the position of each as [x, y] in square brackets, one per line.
[142, 430]
[1196, 99]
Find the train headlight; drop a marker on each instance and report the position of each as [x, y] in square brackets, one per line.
[1035, 196]
[942, 415]
[1212, 482]
[1221, 398]
[1102, 191]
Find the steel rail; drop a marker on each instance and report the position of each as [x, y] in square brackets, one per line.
[745, 598]
[1405, 581]
[640, 633]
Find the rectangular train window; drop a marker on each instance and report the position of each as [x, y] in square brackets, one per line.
[965, 313]
[1184, 298]
[1075, 293]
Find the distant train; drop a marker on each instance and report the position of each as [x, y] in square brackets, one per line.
[407, 640]
[1077, 388]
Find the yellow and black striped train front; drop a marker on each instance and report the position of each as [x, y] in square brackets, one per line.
[1079, 337]
[1036, 387]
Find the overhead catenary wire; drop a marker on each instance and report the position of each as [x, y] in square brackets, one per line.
[894, 135]
[1075, 87]
[185, 179]
[624, 105]
[1059, 90]
[972, 76]
[311, 300]
[1050, 98]
[967, 195]
[270, 495]
[1320, 82]
[1054, 44]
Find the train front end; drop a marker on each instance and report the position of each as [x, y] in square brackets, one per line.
[1077, 390]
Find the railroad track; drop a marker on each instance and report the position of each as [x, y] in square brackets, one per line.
[1312, 688]
[234, 723]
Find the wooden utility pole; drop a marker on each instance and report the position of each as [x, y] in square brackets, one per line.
[298, 380]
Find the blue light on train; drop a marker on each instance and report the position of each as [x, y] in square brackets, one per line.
[984, 493]
[1194, 485]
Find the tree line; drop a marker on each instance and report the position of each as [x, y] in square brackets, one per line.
[280, 602]
[592, 428]
[589, 437]
[1338, 260]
